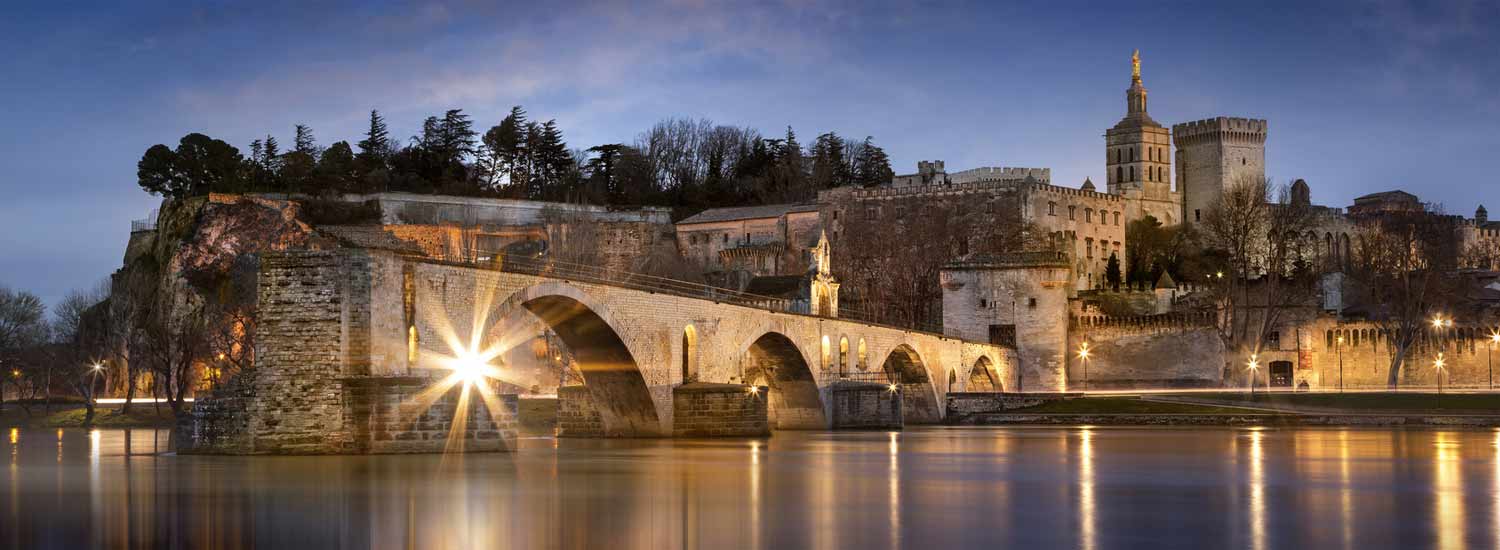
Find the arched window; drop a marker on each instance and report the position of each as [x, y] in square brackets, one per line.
[1051, 208]
[1117, 217]
[844, 355]
[1072, 212]
[1132, 174]
[826, 353]
[1088, 215]
[689, 353]
[1119, 174]
[864, 360]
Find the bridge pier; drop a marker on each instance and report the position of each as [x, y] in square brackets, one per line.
[720, 410]
[576, 414]
[864, 406]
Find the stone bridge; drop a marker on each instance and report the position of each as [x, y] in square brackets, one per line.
[340, 329]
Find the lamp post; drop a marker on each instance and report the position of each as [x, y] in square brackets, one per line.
[1083, 354]
[1494, 339]
[1438, 363]
[1254, 364]
[1340, 347]
[93, 393]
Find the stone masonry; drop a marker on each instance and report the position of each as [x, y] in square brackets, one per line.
[720, 410]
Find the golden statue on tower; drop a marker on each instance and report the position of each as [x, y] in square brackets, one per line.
[1135, 65]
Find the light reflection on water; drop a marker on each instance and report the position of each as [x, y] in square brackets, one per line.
[1077, 487]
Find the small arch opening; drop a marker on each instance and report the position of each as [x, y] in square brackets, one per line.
[689, 354]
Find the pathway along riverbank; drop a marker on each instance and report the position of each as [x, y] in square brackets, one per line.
[1236, 409]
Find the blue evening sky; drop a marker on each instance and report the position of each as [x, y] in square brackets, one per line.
[1361, 96]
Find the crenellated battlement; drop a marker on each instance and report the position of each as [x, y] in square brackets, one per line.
[1251, 130]
[1058, 190]
[988, 173]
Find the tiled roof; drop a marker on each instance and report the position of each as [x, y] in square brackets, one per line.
[747, 213]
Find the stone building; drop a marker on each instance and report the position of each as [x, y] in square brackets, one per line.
[731, 246]
[1138, 162]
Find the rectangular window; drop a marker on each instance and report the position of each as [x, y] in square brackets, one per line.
[1003, 335]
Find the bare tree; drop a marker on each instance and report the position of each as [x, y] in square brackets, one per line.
[172, 348]
[1236, 224]
[1400, 261]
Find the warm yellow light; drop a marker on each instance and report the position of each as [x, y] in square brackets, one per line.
[1495, 337]
[893, 387]
[1439, 362]
[1254, 363]
[1439, 322]
[15, 373]
[1083, 350]
[221, 356]
[754, 390]
[469, 368]
[1219, 274]
[1341, 339]
[98, 366]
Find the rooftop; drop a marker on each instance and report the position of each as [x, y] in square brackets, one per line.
[747, 213]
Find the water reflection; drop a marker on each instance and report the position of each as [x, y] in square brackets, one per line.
[1087, 487]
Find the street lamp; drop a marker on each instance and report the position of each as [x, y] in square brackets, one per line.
[1494, 339]
[1438, 363]
[94, 392]
[1254, 364]
[1340, 348]
[1083, 354]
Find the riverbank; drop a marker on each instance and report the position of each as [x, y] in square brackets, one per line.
[1277, 409]
[142, 415]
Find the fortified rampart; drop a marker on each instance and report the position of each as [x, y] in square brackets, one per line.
[1147, 351]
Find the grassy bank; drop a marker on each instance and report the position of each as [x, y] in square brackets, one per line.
[71, 416]
[1456, 403]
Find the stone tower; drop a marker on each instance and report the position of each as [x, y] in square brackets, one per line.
[1137, 157]
[1213, 154]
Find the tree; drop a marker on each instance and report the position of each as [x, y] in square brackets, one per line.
[372, 163]
[1399, 263]
[871, 165]
[199, 164]
[1112, 272]
[171, 346]
[77, 357]
[304, 142]
[829, 166]
[336, 170]
[21, 327]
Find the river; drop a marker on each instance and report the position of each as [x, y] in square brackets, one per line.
[927, 488]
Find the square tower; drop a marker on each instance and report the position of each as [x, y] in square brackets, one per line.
[1214, 154]
[1137, 153]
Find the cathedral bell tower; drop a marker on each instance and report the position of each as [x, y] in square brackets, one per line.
[1137, 150]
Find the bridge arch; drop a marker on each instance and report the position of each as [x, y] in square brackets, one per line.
[774, 360]
[904, 367]
[618, 389]
[983, 378]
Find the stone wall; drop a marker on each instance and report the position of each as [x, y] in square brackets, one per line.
[300, 356]
[576, 414]
[1312, 350]
[387, 416]
[1147, 352]
[720, 410]
[864, 405]
[961, 406]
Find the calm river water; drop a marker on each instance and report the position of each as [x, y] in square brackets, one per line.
[935, 489]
